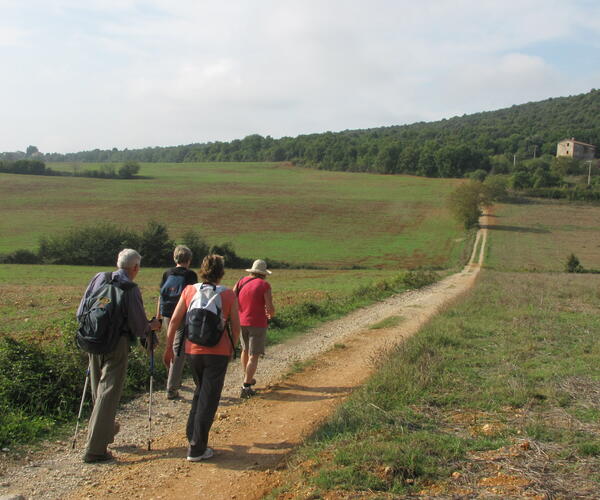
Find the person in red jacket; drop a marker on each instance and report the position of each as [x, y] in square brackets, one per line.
[256, 309]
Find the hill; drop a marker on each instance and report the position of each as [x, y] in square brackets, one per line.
[290, 214]
[445, 148]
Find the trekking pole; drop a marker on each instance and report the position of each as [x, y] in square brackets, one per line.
[87, 379]
[151, 345]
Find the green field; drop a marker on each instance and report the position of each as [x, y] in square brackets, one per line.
[36, 299]
[302, 216]
[540, 235]
[497, 397]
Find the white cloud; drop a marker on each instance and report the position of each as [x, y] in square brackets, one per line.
[129, 73]
[12, 37]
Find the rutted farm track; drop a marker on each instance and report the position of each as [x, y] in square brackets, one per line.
[250, 438]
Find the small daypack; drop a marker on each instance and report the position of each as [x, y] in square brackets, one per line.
[170, 293]
[103, 319]
[204, 324]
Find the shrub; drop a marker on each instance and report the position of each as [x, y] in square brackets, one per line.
[466, 200]
[155, 246]
[41, 385]
[497, 186]
[477, 175]
[419, 278]
[90, 245]
[20, 257]
[197, 245]
[231, 258]
[38, 385]
[129, 169]
[573, 265]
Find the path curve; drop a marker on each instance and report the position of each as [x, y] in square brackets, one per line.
[251, 438]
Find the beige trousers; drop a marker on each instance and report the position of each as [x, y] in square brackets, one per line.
[107, 377]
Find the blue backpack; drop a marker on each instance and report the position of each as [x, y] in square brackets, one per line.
[170, 293]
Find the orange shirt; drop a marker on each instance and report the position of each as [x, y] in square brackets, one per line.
[224, 347]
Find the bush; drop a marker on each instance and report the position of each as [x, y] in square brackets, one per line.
[27, 167]
[197, 245]
[231, 258]
[155, 246]
[497, 187]
[571, 194]
[41, 385]
[466, 200]
[129, 169]
[20, 257]
[419, 278]
[38, 386]
[573, 265]
[477, 175]
[95, 245]
[99, 245]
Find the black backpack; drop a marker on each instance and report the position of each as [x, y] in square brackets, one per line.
[103, 319]
[204, 324]
[170, 293]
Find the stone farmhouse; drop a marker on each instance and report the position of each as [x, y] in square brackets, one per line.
[576, 149]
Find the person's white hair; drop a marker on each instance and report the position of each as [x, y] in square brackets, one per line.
[128, 258]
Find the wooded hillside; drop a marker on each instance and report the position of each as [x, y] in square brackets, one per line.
[446, 148]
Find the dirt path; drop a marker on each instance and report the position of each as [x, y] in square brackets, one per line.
[250, 438]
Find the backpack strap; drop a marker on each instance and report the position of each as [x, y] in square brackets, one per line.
[123, 285]
[238, 287]
[228, 327]
[127, 285]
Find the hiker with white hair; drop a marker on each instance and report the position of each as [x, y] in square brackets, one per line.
[111, 317]
[256, 309]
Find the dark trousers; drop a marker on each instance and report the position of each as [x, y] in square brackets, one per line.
[209, 375]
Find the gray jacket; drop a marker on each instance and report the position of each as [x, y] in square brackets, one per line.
[136, 315]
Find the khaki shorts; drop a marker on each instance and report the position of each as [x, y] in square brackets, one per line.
[254, 339]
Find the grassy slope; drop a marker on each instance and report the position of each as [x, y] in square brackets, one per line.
[282, 212]
[499, 391]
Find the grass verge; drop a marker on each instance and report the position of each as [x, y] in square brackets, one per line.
[496, 396]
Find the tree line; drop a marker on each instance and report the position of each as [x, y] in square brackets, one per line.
[446, 148]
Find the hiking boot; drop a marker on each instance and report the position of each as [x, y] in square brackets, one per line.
[208, 453]
[173, 395]
[90, 458]
[247, 392]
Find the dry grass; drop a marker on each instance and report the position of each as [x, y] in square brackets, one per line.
[539, 236]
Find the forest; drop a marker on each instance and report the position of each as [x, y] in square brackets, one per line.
[497, 141]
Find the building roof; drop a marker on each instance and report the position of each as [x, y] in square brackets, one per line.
[577, 142]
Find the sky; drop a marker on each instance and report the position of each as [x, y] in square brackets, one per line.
[85, 74]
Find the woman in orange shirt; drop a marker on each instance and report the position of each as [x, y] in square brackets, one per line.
[208, 364]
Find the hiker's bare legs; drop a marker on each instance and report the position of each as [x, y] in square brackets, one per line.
[244, 360]
[250, 366]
